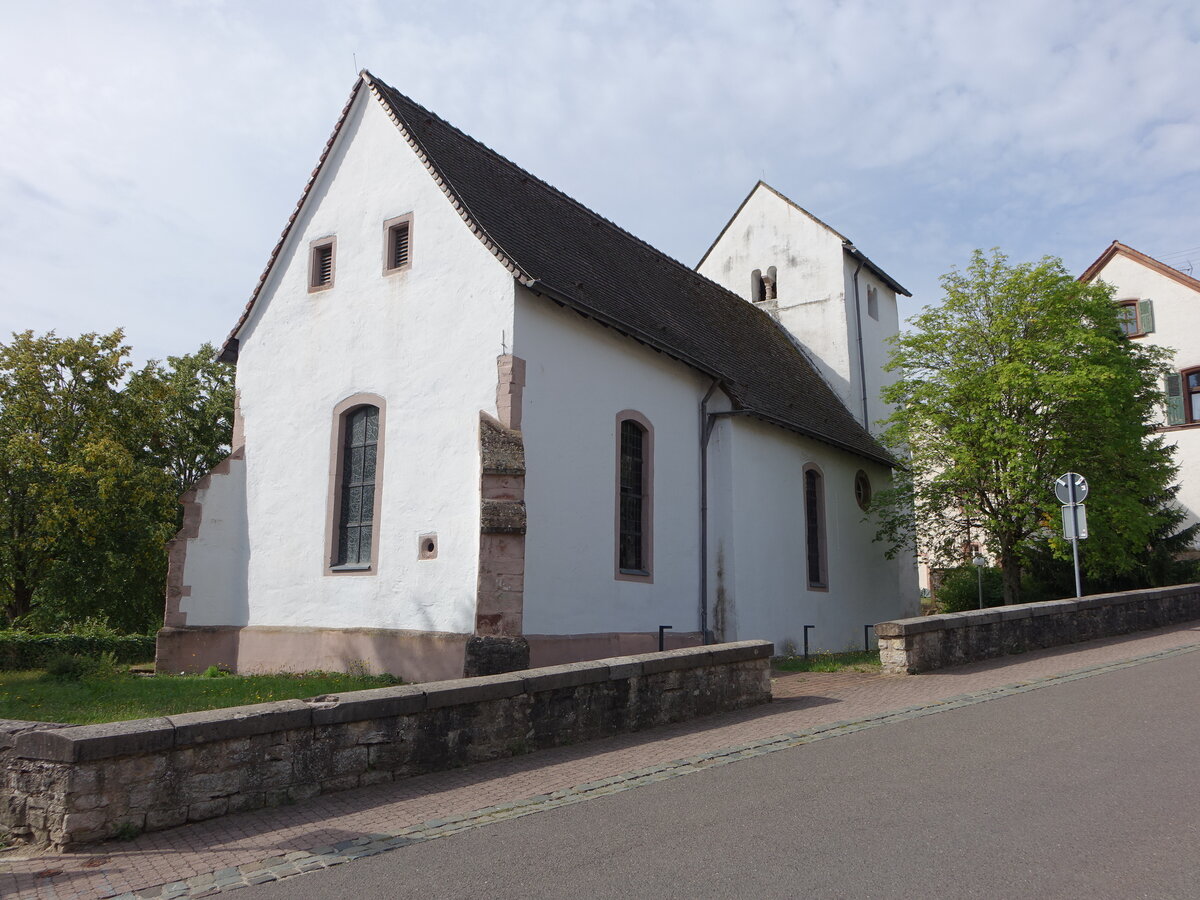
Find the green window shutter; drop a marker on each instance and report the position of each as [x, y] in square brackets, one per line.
[1175, 414]
[1146, 316]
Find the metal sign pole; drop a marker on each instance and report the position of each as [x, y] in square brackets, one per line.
[1071, 490]
[1075, 551]
[1075, 535]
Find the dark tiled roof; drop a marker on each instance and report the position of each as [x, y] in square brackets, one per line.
[568, 253]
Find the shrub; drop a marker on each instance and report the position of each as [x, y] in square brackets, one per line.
[25, 650]
[68, 667]
[959, 590]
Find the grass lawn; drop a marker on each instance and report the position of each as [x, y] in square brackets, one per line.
[29, 695]
[854, 661]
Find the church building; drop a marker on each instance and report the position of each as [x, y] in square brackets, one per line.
[480, 426]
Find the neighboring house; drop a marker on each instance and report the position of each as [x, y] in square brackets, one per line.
[471, 407]
[1161, 305]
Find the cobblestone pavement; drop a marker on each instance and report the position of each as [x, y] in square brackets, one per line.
[225, 854]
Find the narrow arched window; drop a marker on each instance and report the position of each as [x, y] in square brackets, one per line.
[814, 528]
[634, 496]
[356, 517]
[354, 487]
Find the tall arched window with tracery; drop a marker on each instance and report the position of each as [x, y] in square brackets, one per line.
[814, 528]
[354, 488]
[635, 498]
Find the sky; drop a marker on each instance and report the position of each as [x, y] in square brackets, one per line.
[151, 152]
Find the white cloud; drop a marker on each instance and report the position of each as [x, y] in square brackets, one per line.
[154, 150]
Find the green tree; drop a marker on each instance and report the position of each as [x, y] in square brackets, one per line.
[187, 413]
[92, 460]
[1021, 374]
[61, 418]
[1162, 562]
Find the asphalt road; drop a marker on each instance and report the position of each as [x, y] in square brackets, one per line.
[1084, 789]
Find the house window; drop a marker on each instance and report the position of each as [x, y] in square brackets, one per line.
[873, 303]
[1136, 317]
[635, 454]
[814, 528]
[355, 485]
[397, 244]
[1183, 398]
[320, 264]
[862, 490]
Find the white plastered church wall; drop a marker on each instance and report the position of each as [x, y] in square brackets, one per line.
[216, 561]
[425, 340]
[876, 332]
[579, 376]
[766, 583]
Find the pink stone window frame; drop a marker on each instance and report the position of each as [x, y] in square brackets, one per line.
[313, 248]
[821, 581]
[388, 228]
[341, 413]
[646, 577]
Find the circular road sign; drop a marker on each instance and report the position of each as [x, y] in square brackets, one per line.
[1063, 485]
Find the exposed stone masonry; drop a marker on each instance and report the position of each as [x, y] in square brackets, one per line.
[909, 646]
[501, 586]
[71, 785]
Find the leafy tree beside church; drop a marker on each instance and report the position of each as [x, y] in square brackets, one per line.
[93, 457]
[1022, 374]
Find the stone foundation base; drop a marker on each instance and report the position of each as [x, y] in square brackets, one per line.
[495, 655]
[410, 655]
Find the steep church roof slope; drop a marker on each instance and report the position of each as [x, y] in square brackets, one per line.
[559, 248]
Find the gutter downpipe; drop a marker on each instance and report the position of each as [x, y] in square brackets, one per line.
[862, 363]
[704, 434]
[708, 422]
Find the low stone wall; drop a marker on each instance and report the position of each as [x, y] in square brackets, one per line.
[909, 646]
[76, 784]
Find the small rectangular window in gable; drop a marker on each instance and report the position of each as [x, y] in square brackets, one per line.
[397, 250]
[320, 264]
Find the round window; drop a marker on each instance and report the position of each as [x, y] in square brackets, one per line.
[862, 490]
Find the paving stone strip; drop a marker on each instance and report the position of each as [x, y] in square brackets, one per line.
[298, 862]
